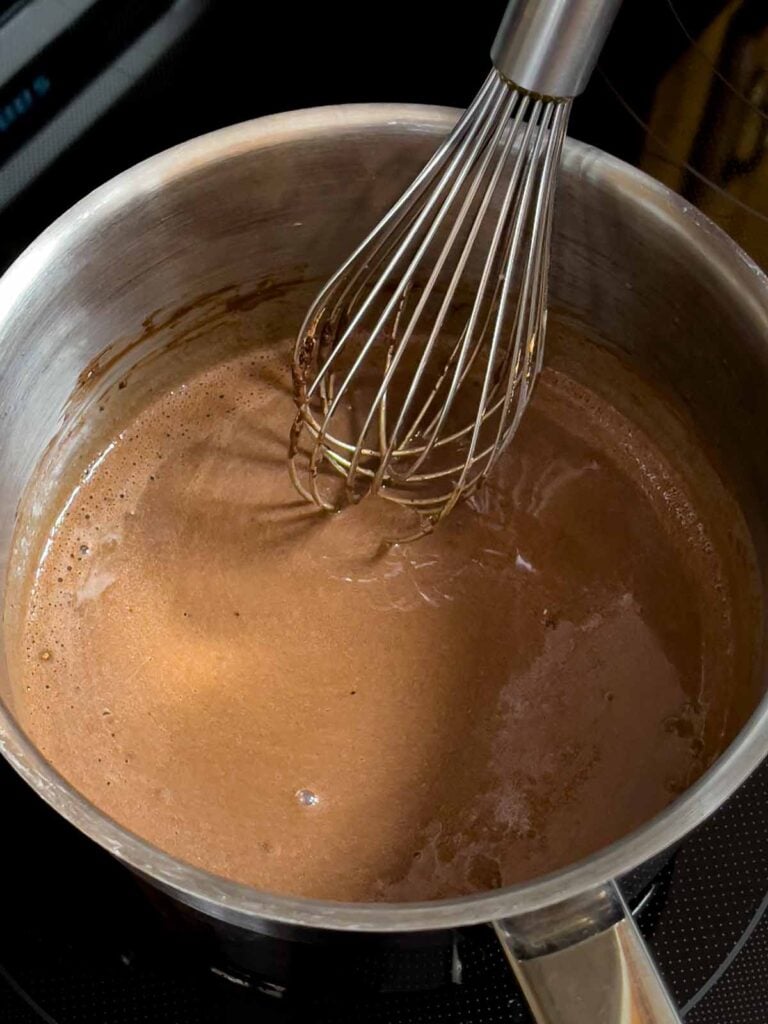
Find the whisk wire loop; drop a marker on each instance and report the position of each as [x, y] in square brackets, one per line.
[416, 361]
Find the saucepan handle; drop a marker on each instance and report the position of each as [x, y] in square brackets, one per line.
[584, 961]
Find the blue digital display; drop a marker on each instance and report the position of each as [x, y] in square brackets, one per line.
[23, 102]
[53, 78]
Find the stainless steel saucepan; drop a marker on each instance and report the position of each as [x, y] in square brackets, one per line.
[271, 207]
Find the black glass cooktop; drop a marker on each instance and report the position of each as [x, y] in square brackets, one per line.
[81, 942]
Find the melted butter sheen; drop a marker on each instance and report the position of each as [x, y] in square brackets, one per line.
[253, 687]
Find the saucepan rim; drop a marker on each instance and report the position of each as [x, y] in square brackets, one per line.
[242, 904]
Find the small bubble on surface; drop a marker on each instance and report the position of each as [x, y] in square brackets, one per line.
[307, 798]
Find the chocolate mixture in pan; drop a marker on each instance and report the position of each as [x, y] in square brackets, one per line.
[251, 685]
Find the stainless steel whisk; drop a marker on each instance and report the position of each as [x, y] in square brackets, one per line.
[416, 361]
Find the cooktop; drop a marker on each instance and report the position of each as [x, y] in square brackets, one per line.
[80, 940]
[83, 943]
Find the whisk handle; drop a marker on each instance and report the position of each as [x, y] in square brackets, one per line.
[550, 47]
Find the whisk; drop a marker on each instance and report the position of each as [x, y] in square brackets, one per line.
[416, 361]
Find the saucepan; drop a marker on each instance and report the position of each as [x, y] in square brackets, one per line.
[267, 210]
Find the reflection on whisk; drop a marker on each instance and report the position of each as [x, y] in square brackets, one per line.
[417, 360]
